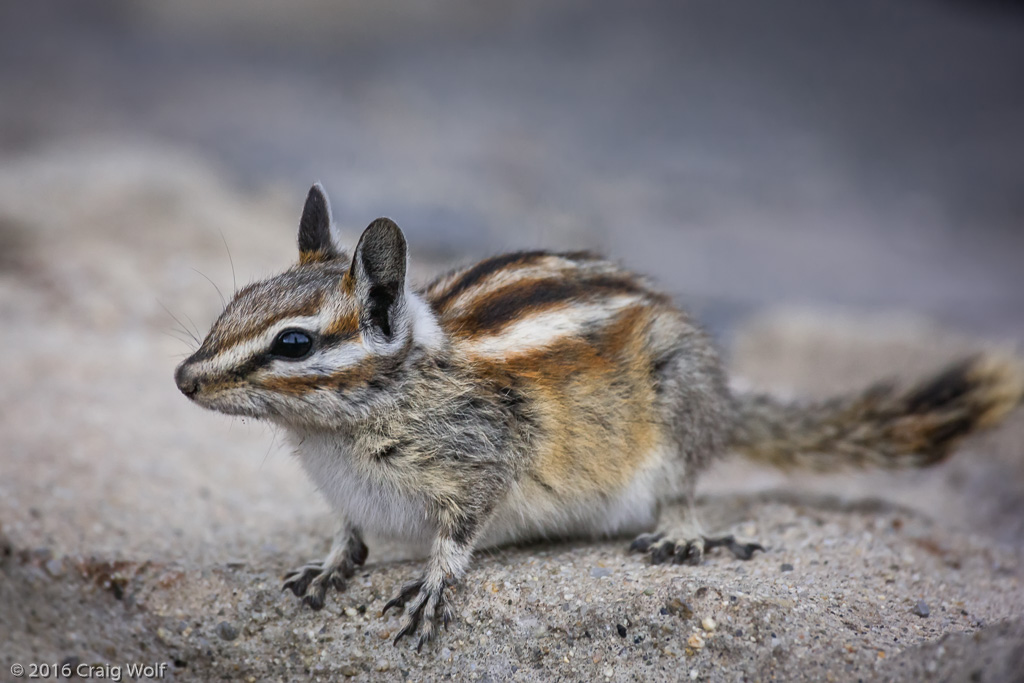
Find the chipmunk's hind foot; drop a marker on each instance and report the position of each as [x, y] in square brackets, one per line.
[741, 551]
[689, 551]
[310, 582]
[666, 550]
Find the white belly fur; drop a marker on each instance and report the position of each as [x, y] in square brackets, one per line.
[528, 512]
[367, 504]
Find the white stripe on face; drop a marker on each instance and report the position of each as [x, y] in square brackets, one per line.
[240, 353]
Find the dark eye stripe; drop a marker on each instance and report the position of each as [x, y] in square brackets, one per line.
[329, 340]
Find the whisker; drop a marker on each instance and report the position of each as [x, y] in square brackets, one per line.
[269, 448]
[223, 301]
[234, 282]
[177, 320]
[174, 334]
[196, 327]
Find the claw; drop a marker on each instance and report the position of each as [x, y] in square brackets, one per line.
[662, 552]
[426, 611]
[410, 628]
[408, 590]
[693, 554]
[746, 551]
[396, 601]
[643, 542]
[298, 581]
[742, 551]
[682, 553]
[310, 583]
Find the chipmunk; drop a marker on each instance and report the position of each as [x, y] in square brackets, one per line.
[532, 395]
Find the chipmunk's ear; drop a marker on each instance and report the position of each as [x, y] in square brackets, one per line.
[317, 241]
[377, 277]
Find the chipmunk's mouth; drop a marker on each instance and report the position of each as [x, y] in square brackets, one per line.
[229, 402]
[216, 395]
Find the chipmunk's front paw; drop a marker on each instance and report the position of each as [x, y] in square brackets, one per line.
[425, 605]
[689, 551]
[311, 581]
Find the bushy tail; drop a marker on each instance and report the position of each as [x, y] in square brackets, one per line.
[884, 426]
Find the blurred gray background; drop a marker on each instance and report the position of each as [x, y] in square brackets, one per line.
[859, 160]
[857, 153]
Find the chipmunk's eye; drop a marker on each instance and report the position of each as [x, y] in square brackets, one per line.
[292, 344]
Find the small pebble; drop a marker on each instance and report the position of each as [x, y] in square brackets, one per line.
[621, 629]
[695, 641]
[351, 612]
[921, 609]
[708, 624]
[383, 665]
[600, 572]
[694, 674]
[54, 567]
[786, 567]
[227, 631]
[609, 672]
[349, 670]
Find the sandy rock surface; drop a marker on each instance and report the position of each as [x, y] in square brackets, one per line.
[138, 528]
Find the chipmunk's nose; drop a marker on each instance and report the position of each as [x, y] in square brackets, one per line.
[186, 382]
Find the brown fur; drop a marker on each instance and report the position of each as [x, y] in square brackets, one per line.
[310, 257]
[345, 324]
